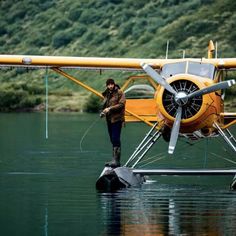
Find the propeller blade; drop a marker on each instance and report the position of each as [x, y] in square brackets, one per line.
[175, 131]
[157, 77]
[212, 88]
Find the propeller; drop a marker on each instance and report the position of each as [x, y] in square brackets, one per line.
[160, 80]
[157, 77]
[212, 88]
[181, 98]
[175, 131]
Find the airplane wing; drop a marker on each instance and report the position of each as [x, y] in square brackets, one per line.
[57, 63]
[77, 62]
[102, 62]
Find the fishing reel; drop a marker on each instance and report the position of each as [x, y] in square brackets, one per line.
[102, 114]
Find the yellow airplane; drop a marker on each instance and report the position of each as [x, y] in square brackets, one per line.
[188, 101]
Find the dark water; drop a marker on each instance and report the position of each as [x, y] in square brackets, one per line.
[48, 186]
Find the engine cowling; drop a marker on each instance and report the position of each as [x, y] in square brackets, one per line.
[197, 113]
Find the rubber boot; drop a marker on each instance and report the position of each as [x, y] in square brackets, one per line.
[115, 162]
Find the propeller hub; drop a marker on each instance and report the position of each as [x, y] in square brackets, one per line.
[181, 98]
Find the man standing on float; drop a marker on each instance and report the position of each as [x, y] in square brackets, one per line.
[114, 110]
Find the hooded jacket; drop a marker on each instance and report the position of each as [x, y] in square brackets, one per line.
[115, 101]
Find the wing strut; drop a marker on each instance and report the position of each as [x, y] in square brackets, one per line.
[151, 137]
[227, 136]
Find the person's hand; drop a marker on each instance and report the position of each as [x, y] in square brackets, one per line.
[106, 110]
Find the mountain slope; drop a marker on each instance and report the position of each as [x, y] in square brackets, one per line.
[117, 28]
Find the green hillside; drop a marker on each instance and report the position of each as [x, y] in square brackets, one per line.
[116, 28]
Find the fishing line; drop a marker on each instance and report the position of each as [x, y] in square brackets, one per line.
[217, 155]
[157, 156]
[162, 155]
[227, 151]
[224, 158]
[86, 132]
[150, 162]
[206, 153]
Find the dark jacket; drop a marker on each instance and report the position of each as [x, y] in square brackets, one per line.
[115, 100]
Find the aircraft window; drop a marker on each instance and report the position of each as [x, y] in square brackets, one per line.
[171, 69]
[201, 69]
[140, 91]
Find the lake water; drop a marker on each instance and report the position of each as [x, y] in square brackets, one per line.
[48, 185]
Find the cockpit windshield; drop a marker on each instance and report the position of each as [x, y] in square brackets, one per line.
[171, 69]
[201, 69]
[194, 68]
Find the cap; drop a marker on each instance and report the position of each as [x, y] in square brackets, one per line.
[110, 81]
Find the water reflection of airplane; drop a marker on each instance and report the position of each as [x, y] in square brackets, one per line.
[188, 102]
[168, 211]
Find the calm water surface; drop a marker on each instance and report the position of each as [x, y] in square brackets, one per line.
[48, 186]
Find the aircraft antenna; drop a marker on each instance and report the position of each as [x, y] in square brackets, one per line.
[167, 49]
[216, 50]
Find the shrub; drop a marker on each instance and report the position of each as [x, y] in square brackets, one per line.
[39, 38]
[147, 37]
[200, 27]
[61, 39]
[16, 15]
[77, 31]
[10, 99]
[116, 1]
[93, 104]
[126, 30]
[89, 16]
[44, 5]
[74, 14]
[29, 102]
[34, 89]
[61, 24]
[3, 28]
[100, 38]
[31, 89]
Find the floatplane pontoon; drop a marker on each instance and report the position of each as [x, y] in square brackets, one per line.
[112, 179]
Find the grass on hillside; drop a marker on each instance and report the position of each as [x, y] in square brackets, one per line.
[107, 28]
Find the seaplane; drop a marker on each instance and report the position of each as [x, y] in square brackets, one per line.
[188, 102]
